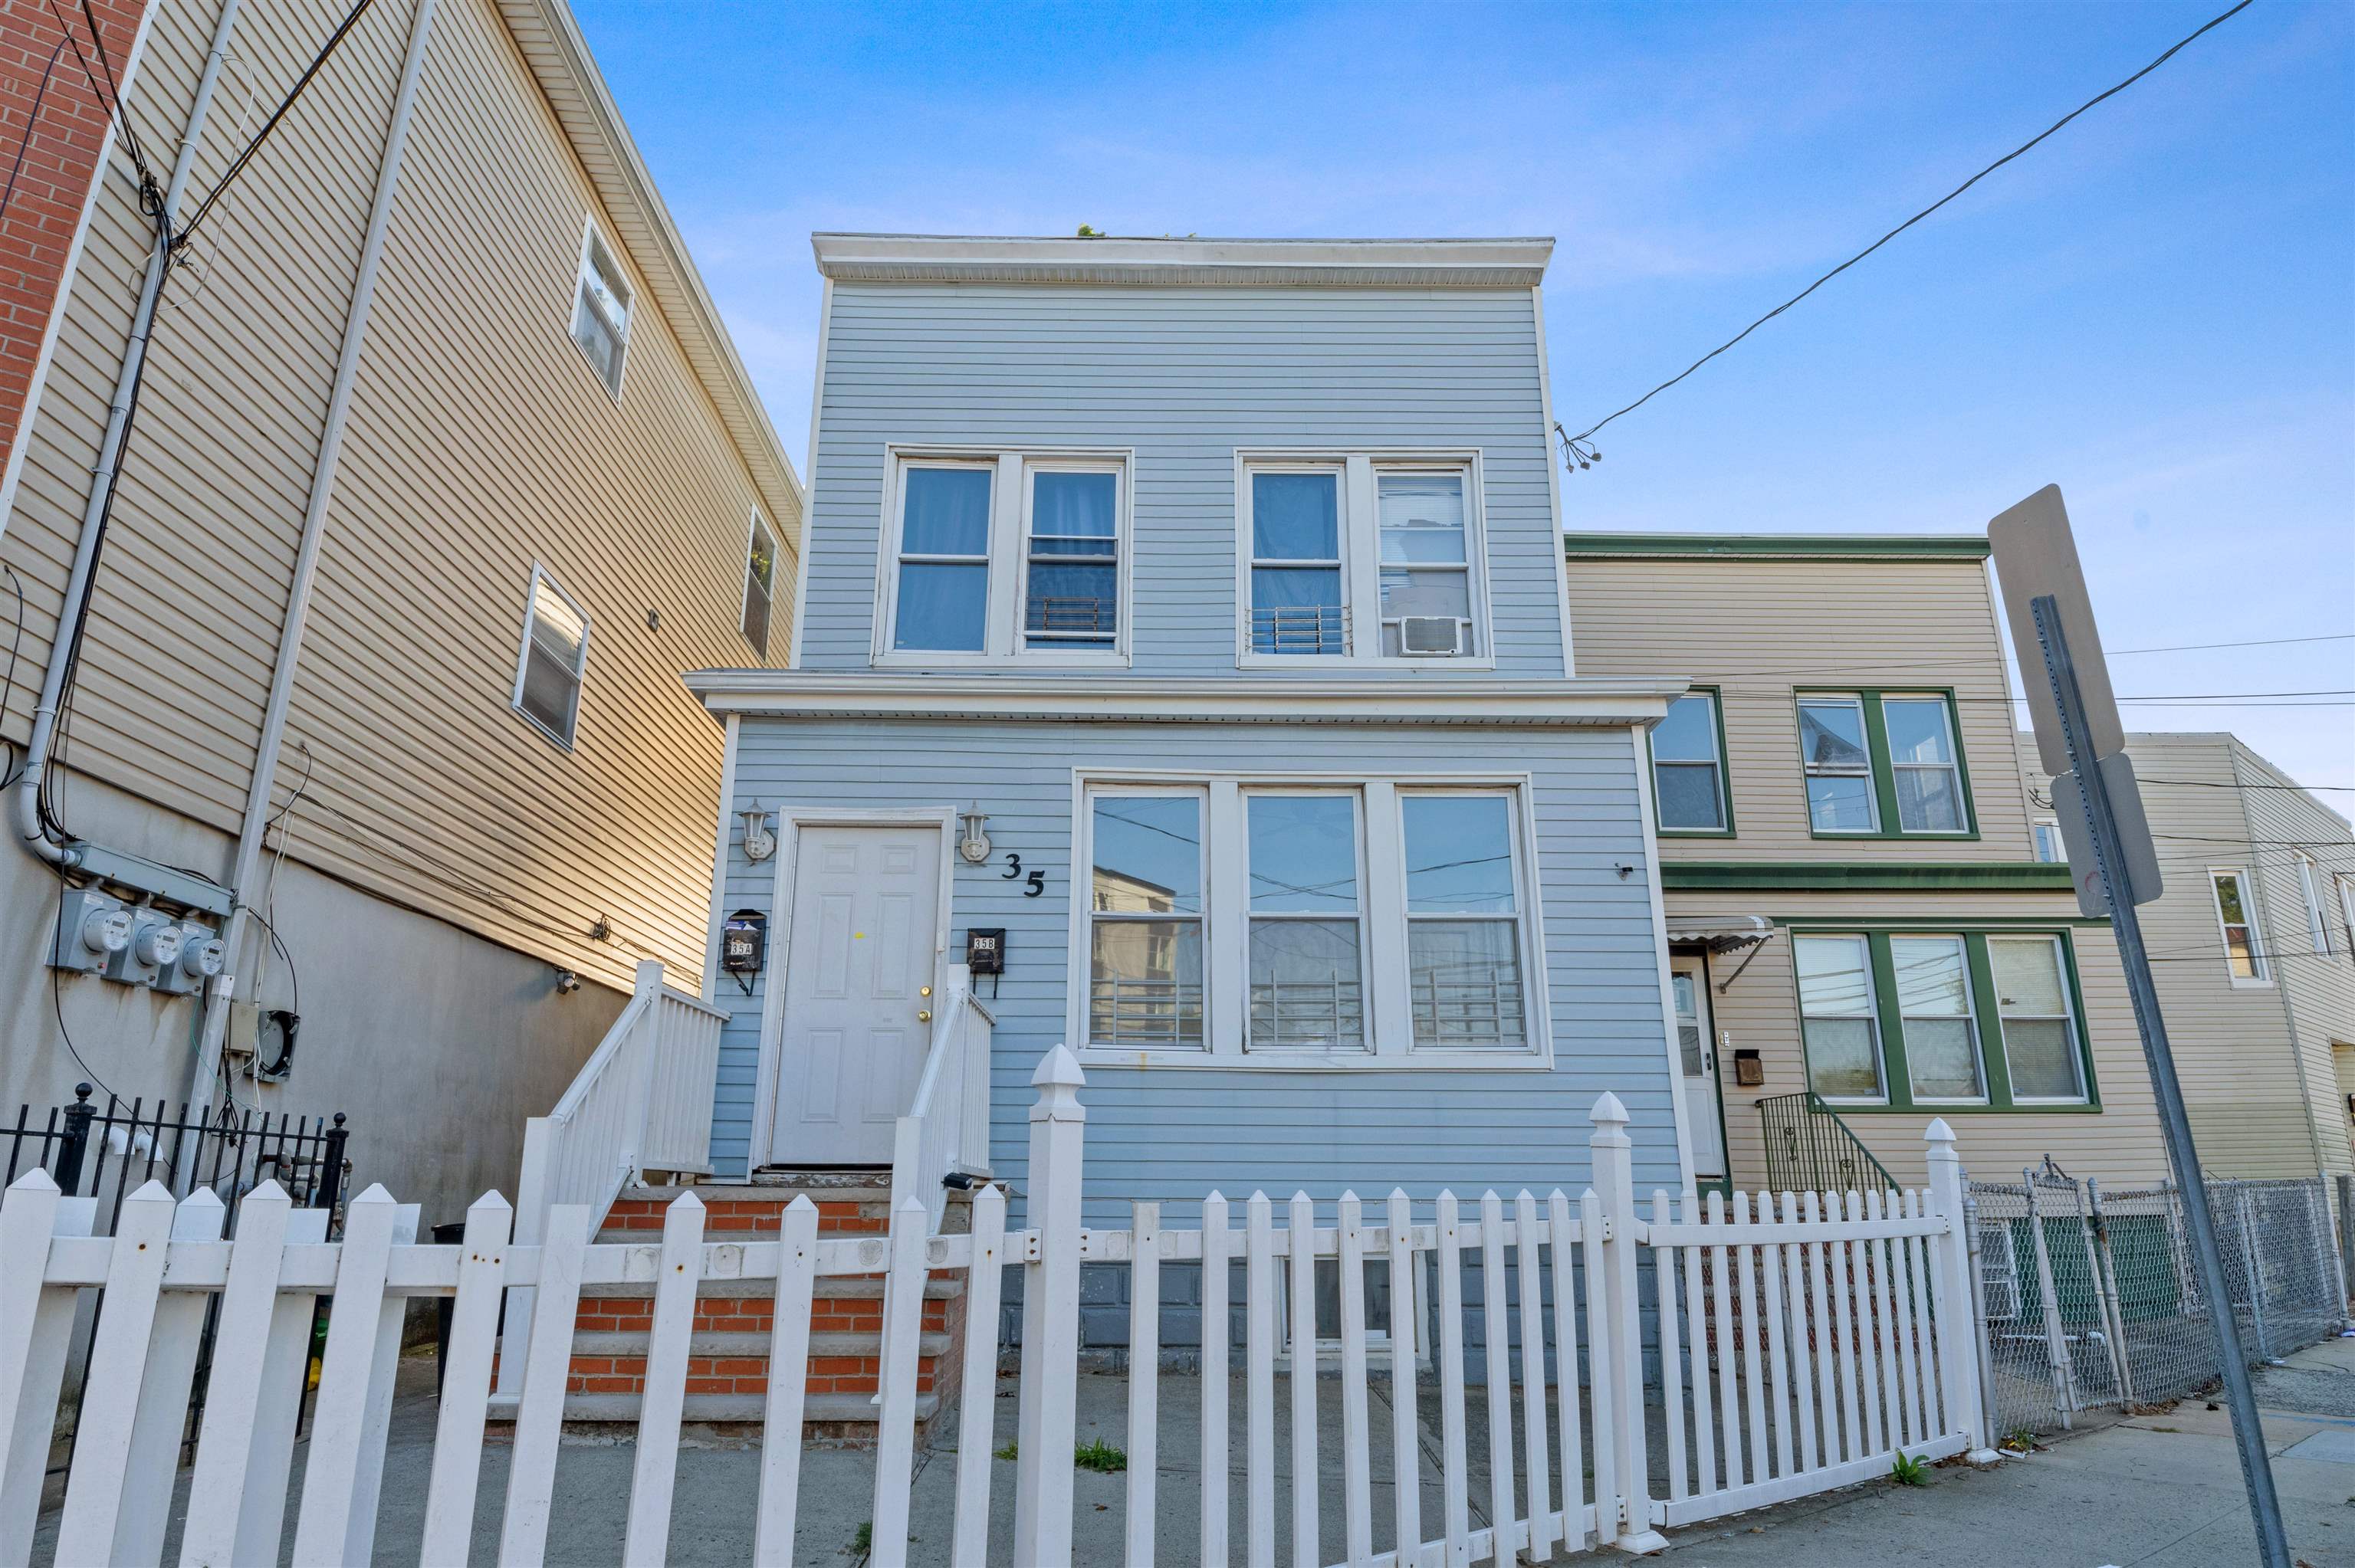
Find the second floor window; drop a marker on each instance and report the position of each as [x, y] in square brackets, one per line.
[555, 656]
[760, 585]
[1363, 557]
[2317, 926]
[1687, 769]
[2236, 915]
[600, 310]
[2049, 847]
[1883, 765]
[1006, 556]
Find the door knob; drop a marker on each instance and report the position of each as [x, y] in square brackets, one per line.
[923, 1015]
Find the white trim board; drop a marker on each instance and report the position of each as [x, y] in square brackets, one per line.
[1193, 262]
[790, 820]
[1400, 700]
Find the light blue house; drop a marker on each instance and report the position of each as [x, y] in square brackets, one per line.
[1219, 587]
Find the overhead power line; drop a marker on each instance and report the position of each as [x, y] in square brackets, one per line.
[293, 96]
[1579, 450]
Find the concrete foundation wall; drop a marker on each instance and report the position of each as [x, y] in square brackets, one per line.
[434, 1043]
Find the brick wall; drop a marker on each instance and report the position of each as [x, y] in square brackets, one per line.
[61, 149]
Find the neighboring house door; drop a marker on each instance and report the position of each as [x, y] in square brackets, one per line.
[1696, 1041]
[860, 955]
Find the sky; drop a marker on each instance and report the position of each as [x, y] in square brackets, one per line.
[2154, 310]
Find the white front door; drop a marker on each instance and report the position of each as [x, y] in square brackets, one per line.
[1697, 1044]
[859, 954]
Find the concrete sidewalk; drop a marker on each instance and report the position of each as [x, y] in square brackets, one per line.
[2159, 1491]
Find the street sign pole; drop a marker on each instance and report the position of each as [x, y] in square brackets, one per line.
[2109, 852]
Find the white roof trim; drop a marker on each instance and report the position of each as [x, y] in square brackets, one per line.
[549, 40]
[1326, 263]
[796, 694]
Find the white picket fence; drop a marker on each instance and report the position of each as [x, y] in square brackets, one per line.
[1799, 1351]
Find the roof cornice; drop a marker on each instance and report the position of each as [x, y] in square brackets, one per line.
[1310, 263]
[1780, 546]
[801, 694]
[550, 42]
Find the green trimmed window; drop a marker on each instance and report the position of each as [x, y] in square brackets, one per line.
[1947, 1020]
[1888, 765]
[1689, 785]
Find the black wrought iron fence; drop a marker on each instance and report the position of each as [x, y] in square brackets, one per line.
[1810, 1150]
[106, 1153]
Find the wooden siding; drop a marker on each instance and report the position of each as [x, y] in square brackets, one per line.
[480, 441]
[1759, 1009]
[1174, 1133]
[1185, 376]
[1761, 629]
[2255, 1060]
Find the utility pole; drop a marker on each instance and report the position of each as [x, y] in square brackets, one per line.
[2116, 868]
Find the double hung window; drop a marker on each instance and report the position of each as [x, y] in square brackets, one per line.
[760, 585]
[1297, 605]
[1145, 895]
[1005, 557]
[2317, 925]
[1689, 768]
[600, 310]
[1934, 1006]
[555, 657]
[1837, 1016]
[2237, 918]
[1361, 556]
[1883, 765]
[2040, 1028]
[1263, 920]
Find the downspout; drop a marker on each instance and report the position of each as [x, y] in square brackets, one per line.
[306, 558]
[30, 832]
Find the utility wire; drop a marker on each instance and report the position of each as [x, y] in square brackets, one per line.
[294, 95]
[1579, 448]
[2114, 654]
[32, 123]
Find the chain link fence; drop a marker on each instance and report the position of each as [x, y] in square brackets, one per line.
[2090, 1299]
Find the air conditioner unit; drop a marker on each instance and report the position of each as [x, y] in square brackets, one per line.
[1431, 636]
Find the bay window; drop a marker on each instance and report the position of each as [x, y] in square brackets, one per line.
[1267, 920]
[1004, 557]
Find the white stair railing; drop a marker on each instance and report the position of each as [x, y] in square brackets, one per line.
[641, 1101]
[946, 1129]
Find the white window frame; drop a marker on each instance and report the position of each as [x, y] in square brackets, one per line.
[2044, 831]
[1871, 1016]
[2068, 1016]
[754, 526]
[1953, 768]
[2347, 909]
[2317, 922]
[1362, 917]
[2257, 960]
[1809, 770]
[592, 239]
[1382, 915]
[1360, 549]
[1009, 555]
[540, 575]
[1083, 893]
[1970, 1017]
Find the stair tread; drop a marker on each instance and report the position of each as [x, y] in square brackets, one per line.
[826, 1288]
[753, 1346]
[815, 1407]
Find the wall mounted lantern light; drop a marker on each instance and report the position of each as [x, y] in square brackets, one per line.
[760, 844]
[974, 844]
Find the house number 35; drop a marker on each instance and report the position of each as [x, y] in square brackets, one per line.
[1033, 886]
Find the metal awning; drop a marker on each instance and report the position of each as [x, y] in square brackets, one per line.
[1719, 933]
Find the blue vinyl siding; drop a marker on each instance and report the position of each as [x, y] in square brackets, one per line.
[1173, 1134]
[1184, 377]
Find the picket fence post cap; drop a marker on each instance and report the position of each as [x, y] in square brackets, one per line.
[490, 1203]
[1938, 1134]
[202, 1198]
[152, 1191]
[34, 1181]
[1058, 1069]
[1608, 1111]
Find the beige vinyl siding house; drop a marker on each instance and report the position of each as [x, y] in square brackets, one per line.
[2261, 1031]
[446, 856]
[1915, 856]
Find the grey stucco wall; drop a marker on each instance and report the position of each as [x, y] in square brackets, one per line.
[1173, 1134]
[435, 1044]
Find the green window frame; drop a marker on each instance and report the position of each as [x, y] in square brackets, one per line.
[1988, 1010]
[1721, 761]
[1888, 815]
